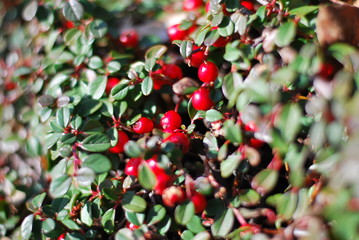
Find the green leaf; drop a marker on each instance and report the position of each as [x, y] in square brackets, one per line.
[290, 120]
[71, 224]
[49, 227]
[113, 67]
[26, 227]
[164, 225]
[265, 181]
[201, 35]
[249, 197]
[108, 220]
[96, 143]
[156, 51]
[147, 85]
[226, 28]
[146, 176]
[86, 214]
[60, 185]
[232, 132]
[125, 234]
[135, 218]
[133, 203]
[63, 117]
[184, 212]
[202, 236]
[229, 165]
[187, 235]
[85, 176]
[133, 149]
[95, 62]
[36, 202]
[213, 115]
[73, 10]
[240, 22]
[88, 106]
[302, 11]
[93, 126]
[29, 12]
[98, 28]
[156, 214]
[223, 224]
[120, 91]
[97, 87]
[186, 48]
[98, 163]
[287, 204]
[286, 34]
[195, 225]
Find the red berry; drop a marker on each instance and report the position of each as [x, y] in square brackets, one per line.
[129, 38]
[222, 42]
[163, 181]
[69, 24]
[175, 33]
[132, 165]
[111, 82]
[173, 195]
[208, 6]
[252, 127]
[10, 86]
[143, 125]
[249, 5]
[131, 226]
[171, 120]
[326, 70]
[201, 99]
[191, 5]
[207, 72]
[197, 58]
[61, 237]
[179, 139]
[154, 166]
[122, 140]
[199, 201]
[172, 71]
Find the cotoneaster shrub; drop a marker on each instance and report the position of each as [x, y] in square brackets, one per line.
[227, 120]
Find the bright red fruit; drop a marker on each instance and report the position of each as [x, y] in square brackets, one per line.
[61, 237]
[122, 140]
[132, 165]
[129, 38]
[199, 201]
[163, 180]
[249, 5]
[172, 71]
[326, 70]
[197, 58]
[173, 195]
[179, 139]
[191, 5]
[131, 226]
[252, 127]
[69, 24]
[171, 120]
[154, 166]
[201, 99]
[143, 125]
[175, 33]
[222, 42]
[111, 82]
[208, 72]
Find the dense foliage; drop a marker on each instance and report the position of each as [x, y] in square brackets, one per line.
[167, 119]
